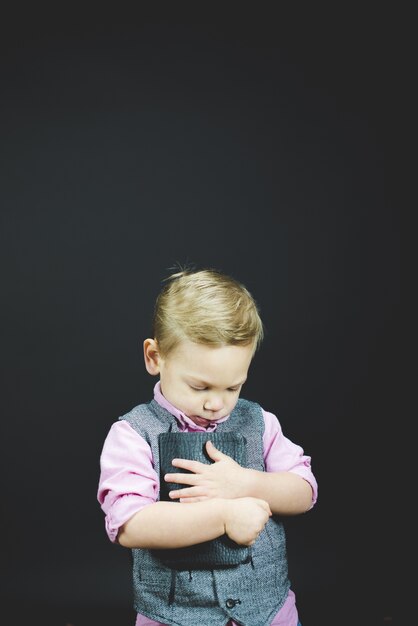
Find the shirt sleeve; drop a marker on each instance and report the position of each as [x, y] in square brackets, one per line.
[128, 481]
[282, 455]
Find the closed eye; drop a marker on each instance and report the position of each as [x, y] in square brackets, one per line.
[231, 389]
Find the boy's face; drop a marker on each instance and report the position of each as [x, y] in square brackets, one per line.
[201, 381]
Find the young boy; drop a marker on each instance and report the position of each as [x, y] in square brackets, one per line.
[203, 520]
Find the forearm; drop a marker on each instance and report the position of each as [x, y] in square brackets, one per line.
[286, 492]
[174, 525]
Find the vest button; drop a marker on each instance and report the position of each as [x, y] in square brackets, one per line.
[230, 603]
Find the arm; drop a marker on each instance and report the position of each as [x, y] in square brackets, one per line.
[174, 525]
[285, 492]
[128, 490]
[287, 484]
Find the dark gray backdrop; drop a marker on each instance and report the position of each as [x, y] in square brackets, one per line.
[248, 142]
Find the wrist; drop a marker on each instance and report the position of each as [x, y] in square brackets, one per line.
[223, 506]
[250, 482]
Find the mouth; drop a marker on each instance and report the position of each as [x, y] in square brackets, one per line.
[201, 421]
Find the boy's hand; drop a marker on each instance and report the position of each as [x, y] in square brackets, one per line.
[222, 479]
[245, 518]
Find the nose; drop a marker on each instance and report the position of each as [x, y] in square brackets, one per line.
[213, 403]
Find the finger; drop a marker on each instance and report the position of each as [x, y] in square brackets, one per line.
[184, 493]
[182, 479]
[265, 505]
[194, 499]
[191, 466]
[214, 453]
[268, 510]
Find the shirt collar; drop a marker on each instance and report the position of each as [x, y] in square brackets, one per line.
[185, 422]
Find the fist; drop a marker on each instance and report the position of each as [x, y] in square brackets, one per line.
[245, 518]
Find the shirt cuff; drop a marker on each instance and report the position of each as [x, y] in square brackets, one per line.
[122, 510]
[307, 475]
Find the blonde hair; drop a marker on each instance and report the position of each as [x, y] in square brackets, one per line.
[207, 307]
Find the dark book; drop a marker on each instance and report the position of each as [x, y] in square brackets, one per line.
[220, 552]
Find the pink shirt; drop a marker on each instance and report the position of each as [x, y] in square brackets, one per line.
[128, 481]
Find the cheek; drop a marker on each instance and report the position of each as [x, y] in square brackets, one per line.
[232, 401]
[191, 400]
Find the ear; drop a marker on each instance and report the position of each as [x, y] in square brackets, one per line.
[152, 356]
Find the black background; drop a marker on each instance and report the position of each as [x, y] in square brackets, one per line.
[250, 141]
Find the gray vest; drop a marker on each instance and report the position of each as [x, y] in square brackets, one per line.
[250, 593]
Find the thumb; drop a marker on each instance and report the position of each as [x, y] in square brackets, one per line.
[214, 453]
